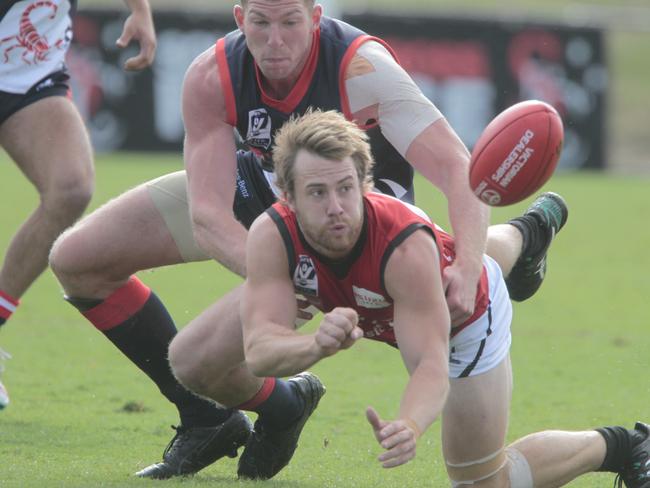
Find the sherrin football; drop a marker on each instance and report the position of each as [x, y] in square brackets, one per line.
[516, 153]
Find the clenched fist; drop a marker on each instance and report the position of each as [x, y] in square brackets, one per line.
[338, 330]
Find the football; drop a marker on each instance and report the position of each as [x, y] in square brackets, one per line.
[516, 153]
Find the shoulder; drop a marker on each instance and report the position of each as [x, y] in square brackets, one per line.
[262, 226]
[202, 87]
[265, 249]
[203, 73]
[264, 232]
[413, 263]
[368, 57]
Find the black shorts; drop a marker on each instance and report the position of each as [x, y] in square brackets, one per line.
[54, 84]
[253, 194]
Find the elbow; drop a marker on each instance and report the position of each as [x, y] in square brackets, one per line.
[201, 230]
[259, 368]
[255, 362]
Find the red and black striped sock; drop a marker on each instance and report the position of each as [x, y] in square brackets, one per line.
[8, 305]
[138, 324]
[277, 403]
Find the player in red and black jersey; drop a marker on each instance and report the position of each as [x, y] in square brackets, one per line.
[358, 280]
[369, 260]
[284, 57]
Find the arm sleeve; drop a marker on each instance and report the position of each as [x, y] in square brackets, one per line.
[404, 111]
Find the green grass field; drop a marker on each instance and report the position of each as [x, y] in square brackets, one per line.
[82, 416]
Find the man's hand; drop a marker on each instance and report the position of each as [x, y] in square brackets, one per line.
[338, 330]
[398, 437]
[139, 26]
[460, 292]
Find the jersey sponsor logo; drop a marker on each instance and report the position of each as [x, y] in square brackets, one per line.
[369, 299]
[305, 279]
[375, 328]
[259, 128]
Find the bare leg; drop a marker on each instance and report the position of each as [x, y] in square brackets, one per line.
[94, 261]
[474, 426]
[49, 143]
[100, 253]
[207, 356]
[557, 457]
[504, 244]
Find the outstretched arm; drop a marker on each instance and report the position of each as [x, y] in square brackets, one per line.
[378, 88]
[268, 310]
[422, 327]
[443, 159]
[139, 26]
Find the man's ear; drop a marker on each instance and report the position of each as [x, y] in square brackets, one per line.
[238, 13]
[316, 15]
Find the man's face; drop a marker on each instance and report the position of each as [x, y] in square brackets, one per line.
[278, 34]
[328, 203]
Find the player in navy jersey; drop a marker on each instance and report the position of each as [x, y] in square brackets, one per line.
[42, 130]
[284, 57]
[373, 265]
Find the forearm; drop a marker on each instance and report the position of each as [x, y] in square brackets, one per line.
[280, 352]
[425, 395]
[469, 219]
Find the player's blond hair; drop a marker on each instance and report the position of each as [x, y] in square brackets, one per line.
[326, 134]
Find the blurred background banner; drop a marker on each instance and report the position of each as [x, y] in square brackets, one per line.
[471, 69]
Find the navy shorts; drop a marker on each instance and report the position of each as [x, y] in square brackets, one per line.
[253, 194]
[54, 84]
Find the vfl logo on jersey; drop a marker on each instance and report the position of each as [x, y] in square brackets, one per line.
[369, 299]
[259, 128]
[305, 279]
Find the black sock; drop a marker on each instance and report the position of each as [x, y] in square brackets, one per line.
[618, 441]
[283, 406]
[532, 237]
[144, 338]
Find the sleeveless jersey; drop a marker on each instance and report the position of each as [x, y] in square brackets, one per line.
[358, 280]
[320, 85]
[34, 37]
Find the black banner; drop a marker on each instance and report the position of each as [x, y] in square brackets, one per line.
[471, 69]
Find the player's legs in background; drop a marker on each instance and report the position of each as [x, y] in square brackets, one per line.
[4, 395]
[95, 261]
[48, 141]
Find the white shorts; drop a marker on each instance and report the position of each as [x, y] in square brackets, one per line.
[34, 37]
[481, 346]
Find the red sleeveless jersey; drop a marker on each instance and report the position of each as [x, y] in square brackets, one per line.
[357, 281]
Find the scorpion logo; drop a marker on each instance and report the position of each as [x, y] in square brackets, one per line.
[28, 37]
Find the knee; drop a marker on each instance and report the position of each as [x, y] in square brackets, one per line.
[519, 472]
[513, 471]
[67, 202]
[185, 366]
[66, 255]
